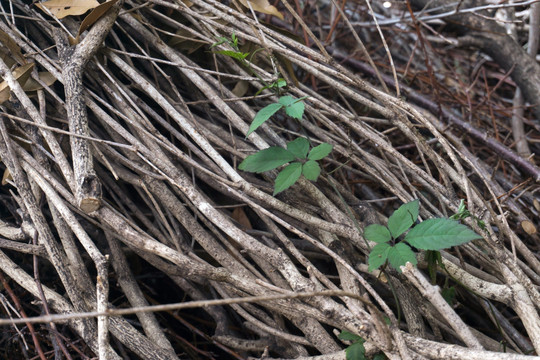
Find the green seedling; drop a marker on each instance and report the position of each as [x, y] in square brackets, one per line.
[242, 57]
[232, 42]
[464, 213]
[275, 86]
[432, 234]
[357, 351]
[293, 107]
[302, 161]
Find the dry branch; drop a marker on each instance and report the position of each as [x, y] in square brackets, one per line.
[156, 131]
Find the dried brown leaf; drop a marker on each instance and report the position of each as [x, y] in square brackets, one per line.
[32, 85]
[6, 177]
[63, 8]
[240, 216]
[12, 46]
[241, 88]
[22, 74]
[185, 41]
[95, 15]
[262, 6]
[7, 57]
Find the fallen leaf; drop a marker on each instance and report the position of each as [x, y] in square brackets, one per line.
[22, 74]
[63, 8]
[528, 227]
[262, 6]
[32, 85]
[289, 67]
[6, 56]
[185, 41]
[12, 46]
[240, 216]
[241, 88]
[6, 177]
[94, 16]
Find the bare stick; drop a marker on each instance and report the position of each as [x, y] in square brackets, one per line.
[433, 295]
[88, 186]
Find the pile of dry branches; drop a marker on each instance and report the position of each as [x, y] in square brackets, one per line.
[123, 188]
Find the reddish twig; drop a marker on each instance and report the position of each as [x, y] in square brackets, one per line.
[479, 135]
[20, 309]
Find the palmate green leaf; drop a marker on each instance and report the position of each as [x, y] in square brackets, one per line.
[311, 170]
[299, 147]
[264, 114]
[399, 254]
[266, 159]
[377, 233]
[293, 107]
[287, 177]
[403, 218]
[378, 256]
[356, 351]
[437, 234]
[320, 151]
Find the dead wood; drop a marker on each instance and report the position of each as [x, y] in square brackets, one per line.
[124, 189]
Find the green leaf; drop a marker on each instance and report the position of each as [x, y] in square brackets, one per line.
[379, 357]
[462, 212]
[320, 151]
[437, 234]
[220, 41]
[400, 254]
[234, 54]
[377, 233]
[403, 218]
[281, 83]
[378, 256]
[481, 224]
[264, 114]
[266, 159]
[462, 206]
[287, 177]
[293, 107]
[299, 147]
[311, 170]
[356, 351]
[296, 110]
[286, 100]
[346, 335]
